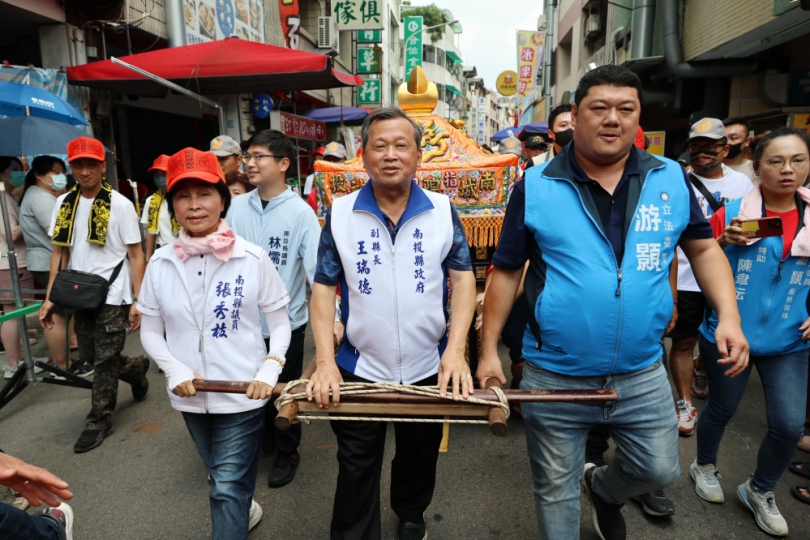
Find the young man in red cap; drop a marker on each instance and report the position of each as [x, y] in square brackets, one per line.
[95, 229]
[161, 227]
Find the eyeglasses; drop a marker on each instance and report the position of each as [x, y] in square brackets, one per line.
[258, 157]
[795, 163]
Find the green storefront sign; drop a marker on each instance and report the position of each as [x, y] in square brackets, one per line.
[413, 44]
[370, 93]
[369, 36]
[369, 60]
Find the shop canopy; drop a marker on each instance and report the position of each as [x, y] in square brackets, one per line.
[228, 66]
[333, 114]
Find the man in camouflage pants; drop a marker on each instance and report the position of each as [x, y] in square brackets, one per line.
[95, 229]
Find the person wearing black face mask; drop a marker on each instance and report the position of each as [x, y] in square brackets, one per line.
[560, 131]
[738, 130]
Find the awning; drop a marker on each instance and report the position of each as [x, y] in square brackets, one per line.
[332, 114]
[456, 58]
[228, 66]
[453, 89]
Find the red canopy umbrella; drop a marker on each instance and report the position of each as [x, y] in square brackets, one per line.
[227, 66]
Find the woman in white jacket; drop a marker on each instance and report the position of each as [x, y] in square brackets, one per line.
[205, 294]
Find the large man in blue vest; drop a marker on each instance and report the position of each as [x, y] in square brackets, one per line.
[600, 223]
[393, 305]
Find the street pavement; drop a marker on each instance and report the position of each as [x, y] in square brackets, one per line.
[147, 482]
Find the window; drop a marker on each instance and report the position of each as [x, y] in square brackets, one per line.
[440, 88]
[429, 54]
[440, 57]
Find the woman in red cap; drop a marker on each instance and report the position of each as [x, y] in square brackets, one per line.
[202, 300]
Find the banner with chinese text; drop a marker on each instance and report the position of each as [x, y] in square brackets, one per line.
[290, 22]
[413, 44]
[530, 59]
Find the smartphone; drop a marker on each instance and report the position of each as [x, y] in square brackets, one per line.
[760, 228]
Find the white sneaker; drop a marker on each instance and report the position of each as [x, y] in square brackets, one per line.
[64, 513]
[20, 503]
[687, 416]
[707, 482]
[9, 371]
[763, 505]
[700, 384]
[255, 514]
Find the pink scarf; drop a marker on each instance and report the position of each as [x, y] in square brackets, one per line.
[751, 208]
[220, 243]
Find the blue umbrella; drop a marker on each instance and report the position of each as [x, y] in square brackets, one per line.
[29, 136]
[504, 133]
[536, 128]
[332, 114]
[26, 100]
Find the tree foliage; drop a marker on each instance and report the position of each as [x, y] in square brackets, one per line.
[431, 16]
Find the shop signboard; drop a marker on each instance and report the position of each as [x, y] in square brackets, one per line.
[506, 83]
[290, 15]
[657, 141]
[413, 44]
[369, 60]
[298, 127]
[530, 58]
[358, 14]
[802, 121]
[481, 125]
[261, 105]
[370, 93]
[369, 36]
[209, 20]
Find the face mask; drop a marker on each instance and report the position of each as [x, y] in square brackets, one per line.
[734, 150]
[694, 159]
[58, 181]
[17, 178]
[564, 137]
[160, 181]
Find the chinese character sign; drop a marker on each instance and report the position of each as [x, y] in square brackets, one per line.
[369, 36]
[657, 140]
[480, 127]
[370, 92]
[298, 127]
[358, 14]
[530, 58]
[290, 21]
[208, 20]
[261, 105]
[369, 60]
[413, 44]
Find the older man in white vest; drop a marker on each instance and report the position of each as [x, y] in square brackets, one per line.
[391, 246]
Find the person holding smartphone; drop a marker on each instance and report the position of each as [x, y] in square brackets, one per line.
[772, 278]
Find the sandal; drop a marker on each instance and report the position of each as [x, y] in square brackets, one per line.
[795, 491]
[802, 469]
[804, 443]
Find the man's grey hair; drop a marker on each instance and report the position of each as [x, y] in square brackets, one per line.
[389, 113]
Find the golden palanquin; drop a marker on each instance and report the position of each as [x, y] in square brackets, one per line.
[477, 183]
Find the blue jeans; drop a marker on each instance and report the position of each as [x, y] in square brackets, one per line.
[643, 423]
[229, 446]
[784, 380]
[18, 525]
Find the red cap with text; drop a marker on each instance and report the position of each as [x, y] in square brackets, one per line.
[192, 163]
[85, 147]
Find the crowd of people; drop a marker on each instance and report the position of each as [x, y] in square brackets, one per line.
[652, 248]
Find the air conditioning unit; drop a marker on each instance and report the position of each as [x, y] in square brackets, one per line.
[328, 36]
[593, 24]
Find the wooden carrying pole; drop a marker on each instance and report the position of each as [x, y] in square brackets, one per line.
[399, 404]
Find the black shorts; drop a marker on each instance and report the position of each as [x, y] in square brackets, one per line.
[691, 310]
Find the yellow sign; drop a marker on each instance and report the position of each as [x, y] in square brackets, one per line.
[657, 140]
[802, 121]
[507, 83]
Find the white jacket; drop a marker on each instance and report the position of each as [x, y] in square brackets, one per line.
[394, 295]
[213, 326]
